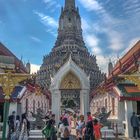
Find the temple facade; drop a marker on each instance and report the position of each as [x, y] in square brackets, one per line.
[69, 58]
[9, 62]
[120, 92]
[26, 96]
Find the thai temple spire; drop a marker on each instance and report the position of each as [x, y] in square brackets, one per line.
[70, 30]
[69, 42]
[110, 67]
[69, 4]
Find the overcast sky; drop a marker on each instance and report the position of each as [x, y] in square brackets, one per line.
[29, 27]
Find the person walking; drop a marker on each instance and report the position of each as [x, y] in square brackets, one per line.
[135, 124]
[89, 131]
[97, 129]
[64, 129]
[17, 127]
[11, 124]
[80, 127]
[16, 133]
[49, 130]
[24, 128]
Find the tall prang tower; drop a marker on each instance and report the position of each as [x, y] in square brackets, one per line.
[69, 42]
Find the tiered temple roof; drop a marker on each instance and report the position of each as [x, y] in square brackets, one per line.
[128, 65]
[69, 42]
[5, 52]
[8, 61]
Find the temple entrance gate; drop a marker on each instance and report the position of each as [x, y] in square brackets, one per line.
[70, 86]
[70, 92]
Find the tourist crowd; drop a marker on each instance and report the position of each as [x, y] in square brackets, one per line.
[18, 128]
[86, 129]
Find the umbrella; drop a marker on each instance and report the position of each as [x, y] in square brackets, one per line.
[70, 110]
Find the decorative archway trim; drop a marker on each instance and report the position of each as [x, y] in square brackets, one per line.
[70, 66]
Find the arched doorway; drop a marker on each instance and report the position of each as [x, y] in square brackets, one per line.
[69, 80]
[70, 92]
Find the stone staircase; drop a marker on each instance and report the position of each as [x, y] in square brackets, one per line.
[36, 134]
[107, 133]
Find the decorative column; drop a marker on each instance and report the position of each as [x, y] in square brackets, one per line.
[128, 114]
[121, 110]
[84, 102]
[56, 104]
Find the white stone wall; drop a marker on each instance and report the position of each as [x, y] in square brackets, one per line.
[39, 100]
[99, 101]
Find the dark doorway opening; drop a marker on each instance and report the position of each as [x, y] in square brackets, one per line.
[138, 107]
[70, 98]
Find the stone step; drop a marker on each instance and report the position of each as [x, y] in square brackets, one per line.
[36, 134]
[107, 133]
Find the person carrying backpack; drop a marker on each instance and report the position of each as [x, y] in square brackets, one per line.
[49, 130]
[64, 130]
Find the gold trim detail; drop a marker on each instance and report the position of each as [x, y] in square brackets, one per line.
[70, 81]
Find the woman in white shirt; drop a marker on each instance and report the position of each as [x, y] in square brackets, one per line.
[64, 129]
[80, 127]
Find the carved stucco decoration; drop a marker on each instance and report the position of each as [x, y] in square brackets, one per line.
[70, 81]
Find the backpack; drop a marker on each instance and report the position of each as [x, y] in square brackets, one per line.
[47, 132]
[66, 132]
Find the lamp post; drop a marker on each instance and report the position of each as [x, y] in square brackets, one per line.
[8, 81]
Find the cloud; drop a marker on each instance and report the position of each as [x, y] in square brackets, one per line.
[49, 2]
[34, 68]
[104, 60]
[93, 42]
[103, 63]
[85, 25]
[47, 20]
[106, 25]
[35, 39]
[103, 26]
[115, 39]
[52, 4]
[91, 5]
[52, 32]
[132, 7]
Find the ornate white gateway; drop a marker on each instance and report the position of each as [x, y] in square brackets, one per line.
[70, 83]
